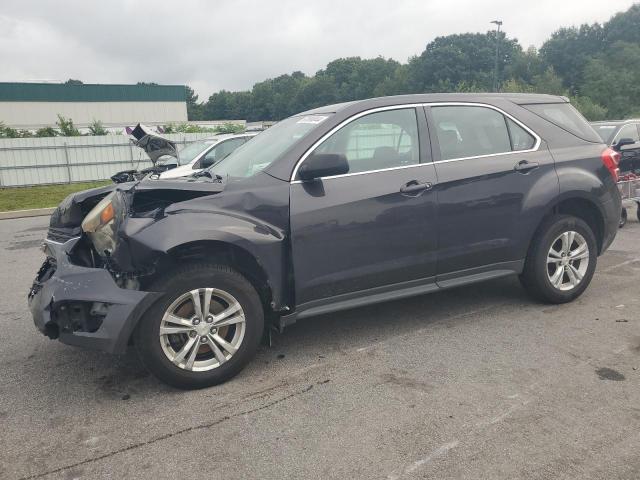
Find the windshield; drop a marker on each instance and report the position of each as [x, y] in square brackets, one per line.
[263, 149]
[190, 151]
[605, 131]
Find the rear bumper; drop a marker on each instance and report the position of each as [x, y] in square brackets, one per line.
[612, 210]
[84, 306]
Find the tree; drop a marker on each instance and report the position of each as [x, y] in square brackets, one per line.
[73, 81]
[623, 26]
[67, 128]
[569, 49]
[453, 59]
[612, 79]
[194, 109]
[96, 128]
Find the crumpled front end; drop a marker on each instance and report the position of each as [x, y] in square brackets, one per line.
[82, 305]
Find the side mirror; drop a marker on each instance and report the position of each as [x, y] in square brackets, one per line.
[319, 165]
[624, 142]
[206, 162]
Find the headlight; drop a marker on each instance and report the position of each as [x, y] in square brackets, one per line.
[100, 224]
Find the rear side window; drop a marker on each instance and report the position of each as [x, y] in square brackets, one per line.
[474, 131]
[628, 131]
[606, 132]
[566, 117]
[520, 138]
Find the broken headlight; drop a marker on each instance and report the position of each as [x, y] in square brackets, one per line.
[101, 223]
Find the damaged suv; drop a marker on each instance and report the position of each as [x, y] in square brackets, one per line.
[334, 208]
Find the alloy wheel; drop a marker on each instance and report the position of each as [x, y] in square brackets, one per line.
[202, 329]
[567, 260]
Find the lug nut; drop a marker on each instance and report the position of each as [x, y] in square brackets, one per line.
[192, 334]
[203, 339]
[209, 319]
[214, 331]
[196, 321]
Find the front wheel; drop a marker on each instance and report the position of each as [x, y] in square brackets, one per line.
[204, 330]
[561, 260]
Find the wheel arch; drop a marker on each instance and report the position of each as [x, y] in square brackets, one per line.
[581, 206]
[230, 254]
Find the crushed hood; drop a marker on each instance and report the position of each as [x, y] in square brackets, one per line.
[154, 145]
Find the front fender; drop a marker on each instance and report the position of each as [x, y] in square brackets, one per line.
[147, 239]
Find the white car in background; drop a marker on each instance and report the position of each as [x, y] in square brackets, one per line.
[171, 162]
[201, 154]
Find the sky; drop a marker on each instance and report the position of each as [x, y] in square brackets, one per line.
[222, 44]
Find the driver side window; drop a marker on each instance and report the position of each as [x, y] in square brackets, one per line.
[377, 141]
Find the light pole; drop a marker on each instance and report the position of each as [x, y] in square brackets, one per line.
[495, 72]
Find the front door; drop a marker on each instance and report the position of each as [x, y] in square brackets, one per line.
[371, 227]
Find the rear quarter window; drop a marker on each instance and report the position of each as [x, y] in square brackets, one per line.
[565, 116]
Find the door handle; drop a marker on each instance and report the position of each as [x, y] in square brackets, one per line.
[524, 166]
[415, 187]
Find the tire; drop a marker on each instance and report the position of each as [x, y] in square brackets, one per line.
[638, 210]
[207, 353]
[623, 218]
[539, 273]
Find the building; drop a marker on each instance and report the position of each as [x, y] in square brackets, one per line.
[35, 105]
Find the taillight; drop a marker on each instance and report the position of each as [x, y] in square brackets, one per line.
[611, 159]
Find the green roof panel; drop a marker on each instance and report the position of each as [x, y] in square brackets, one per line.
[90, 92]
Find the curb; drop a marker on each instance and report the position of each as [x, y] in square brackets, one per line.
[35, 212]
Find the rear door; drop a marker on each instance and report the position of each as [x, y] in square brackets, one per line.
[374, 226]
[488, 165]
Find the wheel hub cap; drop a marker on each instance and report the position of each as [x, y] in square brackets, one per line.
[202, 329]
[567, 260]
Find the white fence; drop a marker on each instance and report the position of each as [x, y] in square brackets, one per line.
[37, 161]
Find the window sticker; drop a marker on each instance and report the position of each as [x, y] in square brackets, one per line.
[313, 119]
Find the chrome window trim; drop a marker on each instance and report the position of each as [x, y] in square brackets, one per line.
[310, 150]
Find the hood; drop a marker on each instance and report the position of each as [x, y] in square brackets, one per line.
[143, 195]
[75, 207]
[154, 145]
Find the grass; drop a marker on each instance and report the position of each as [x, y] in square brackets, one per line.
[23, 198]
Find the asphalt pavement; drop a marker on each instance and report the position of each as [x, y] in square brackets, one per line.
[472, 383]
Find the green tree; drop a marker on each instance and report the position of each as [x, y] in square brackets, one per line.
[194, 109]
[612, 79]
[454, 59]
[73, 81]
[46, 132]
[67, 128]
[97, 128]
[569, 49]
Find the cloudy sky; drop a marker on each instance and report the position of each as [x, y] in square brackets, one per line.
[233, 44]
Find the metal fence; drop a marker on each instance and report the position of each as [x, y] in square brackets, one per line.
[38, 161]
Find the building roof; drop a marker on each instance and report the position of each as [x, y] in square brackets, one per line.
[90, 92]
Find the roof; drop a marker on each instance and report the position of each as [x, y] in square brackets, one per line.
[518, 98]
[615, 122]
[90, 92]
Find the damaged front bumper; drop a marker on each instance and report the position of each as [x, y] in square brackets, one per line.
[84, 306]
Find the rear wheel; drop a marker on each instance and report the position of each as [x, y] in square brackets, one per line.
[204, 330]
[561, 260]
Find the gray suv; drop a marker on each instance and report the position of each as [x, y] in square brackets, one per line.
[337, 207]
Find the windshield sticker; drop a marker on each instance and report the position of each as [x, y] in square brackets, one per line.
[313, 119]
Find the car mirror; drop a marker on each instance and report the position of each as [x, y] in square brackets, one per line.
[206, 162]
[624, 142]
[318, 165]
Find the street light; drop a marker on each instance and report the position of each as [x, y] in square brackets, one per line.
[495, 72]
